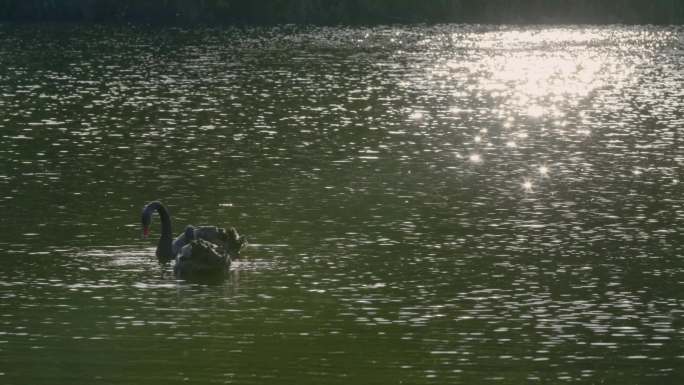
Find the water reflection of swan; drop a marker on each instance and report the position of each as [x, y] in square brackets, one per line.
[194, 250]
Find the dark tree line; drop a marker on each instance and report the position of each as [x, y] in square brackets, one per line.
[346, 11]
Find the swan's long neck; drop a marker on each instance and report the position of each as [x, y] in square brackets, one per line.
[164, 247]
[166, 231]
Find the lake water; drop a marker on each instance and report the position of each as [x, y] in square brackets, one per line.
[424, 205]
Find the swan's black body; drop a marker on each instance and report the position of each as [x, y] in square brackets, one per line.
[198, 260]
[195, 249]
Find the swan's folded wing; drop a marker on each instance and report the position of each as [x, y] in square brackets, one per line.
[183, 239]
[208, 233]
[185, 252]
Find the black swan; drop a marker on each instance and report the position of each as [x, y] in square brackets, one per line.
[195, 250]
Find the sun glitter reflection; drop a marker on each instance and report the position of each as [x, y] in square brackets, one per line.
[538, 73]
[544, 170]
[475, 158]
[527, 185]
[528, 89]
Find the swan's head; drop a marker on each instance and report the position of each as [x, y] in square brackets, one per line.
[146, 220]
[233, 242]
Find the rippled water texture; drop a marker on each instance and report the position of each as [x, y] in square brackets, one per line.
[425, 205]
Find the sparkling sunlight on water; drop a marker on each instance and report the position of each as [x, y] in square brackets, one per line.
[424, 205]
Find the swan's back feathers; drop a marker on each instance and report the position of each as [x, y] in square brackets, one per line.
[228, 241]
[200, 257]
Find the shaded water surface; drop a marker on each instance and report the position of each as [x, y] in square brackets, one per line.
[425, 205]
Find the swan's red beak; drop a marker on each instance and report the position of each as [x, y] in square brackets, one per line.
[146, 232]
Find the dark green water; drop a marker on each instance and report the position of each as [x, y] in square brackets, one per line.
[425, 205]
